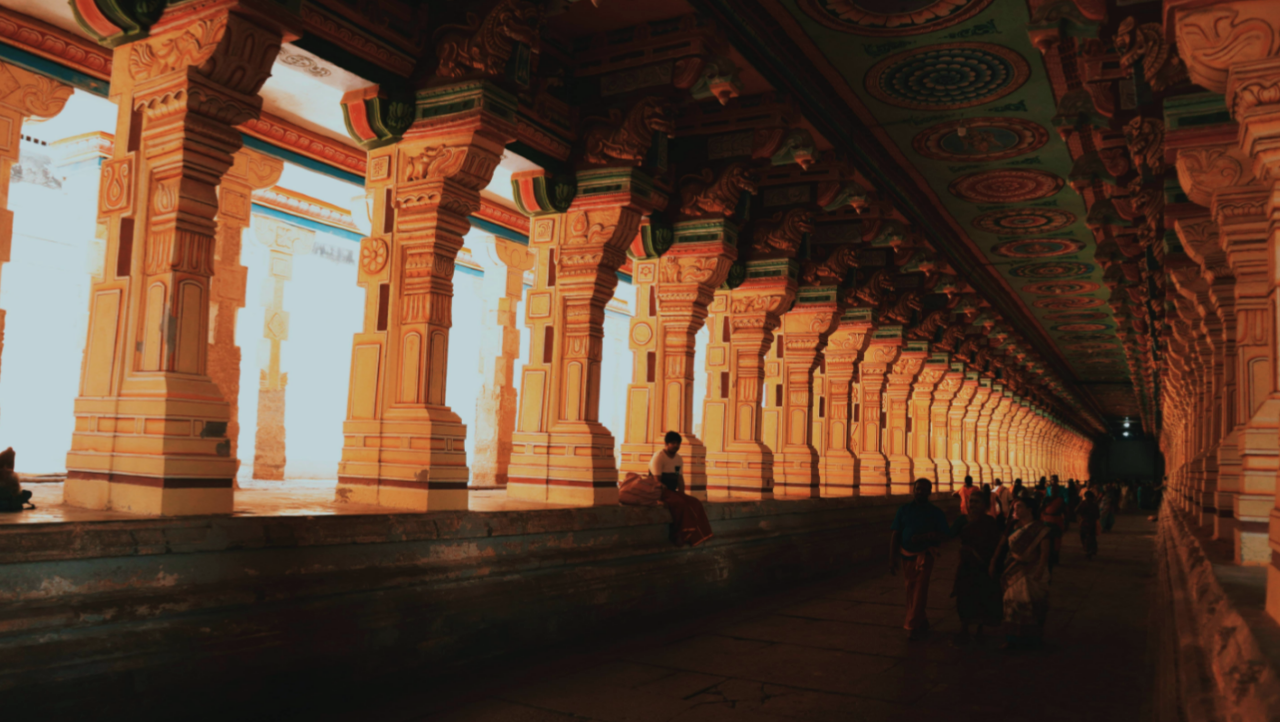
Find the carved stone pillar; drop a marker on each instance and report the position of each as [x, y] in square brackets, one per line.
[738, 463]
[920, 408]
[151, 426]
[997, 450]
[561, 453]
[250, 171]
[873, 465]
[958, 459]
[496, 404]
[672, 297]
[898, 427]
[969, 424]
[940, 427]
[982, 434]
[404, 446]
[804, 331]
[839, 465]
[23, 95]
[283, 242]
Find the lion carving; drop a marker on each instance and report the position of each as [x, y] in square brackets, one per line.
[628, 138]
[700, 196]
[485, 47]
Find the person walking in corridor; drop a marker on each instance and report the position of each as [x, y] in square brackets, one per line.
[918, 530]
[1025, 579]
[976, 591]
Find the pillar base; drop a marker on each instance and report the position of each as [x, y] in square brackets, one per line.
[796, 475]
[572, 465]
[415, 495]
[743, 472]
[943, 480]
[959, 470]
[873, 473]
[901, 474]
[148, 495]
[1224, 524]
[1252, 544]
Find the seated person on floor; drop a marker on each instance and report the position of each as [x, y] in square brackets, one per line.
[664, 484]
[12, 497]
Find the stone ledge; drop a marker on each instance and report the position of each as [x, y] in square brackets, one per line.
[155, 605]
[1214, 660]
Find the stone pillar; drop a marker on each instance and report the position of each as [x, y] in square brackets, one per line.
[151, 426]
[982, 433]
[404, 446]
[997, 448]
[922, 434]
[839, 465]
[250, 171]
[897, 393]
[496, 404]
[969, 424]
[283, 242]
[23, 95]
[738, 463]
[561, 453]
[958, 459]
[940, 427]
[804, 330]
[672, 298]
[873, 465]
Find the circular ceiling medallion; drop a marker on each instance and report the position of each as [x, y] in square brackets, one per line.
[1052, 269]
[1066, 302]
[1082, 326]
[1038, 248]
[1007, 185]
[980, 139]
[1024, 221]
[891, 17]
[1078, 316]
[950, 76]
[1058, 288]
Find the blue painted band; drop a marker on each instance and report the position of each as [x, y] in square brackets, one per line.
[50, 69]
[468, 270]
[307, 223]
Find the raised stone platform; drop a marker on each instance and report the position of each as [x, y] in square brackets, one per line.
[1217, 650]
[122, 613]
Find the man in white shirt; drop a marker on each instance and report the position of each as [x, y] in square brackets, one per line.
[1001, 492]
[666, 465]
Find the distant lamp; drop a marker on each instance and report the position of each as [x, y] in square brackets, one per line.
[1125, 433]
[1126, 424]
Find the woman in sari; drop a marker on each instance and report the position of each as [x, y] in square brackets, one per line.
[1025, 580]
[976, 590]
[1053, 513]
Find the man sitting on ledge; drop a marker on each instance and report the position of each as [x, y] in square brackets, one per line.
[665, 485]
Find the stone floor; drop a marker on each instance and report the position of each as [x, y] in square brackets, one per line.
[254, 498]
[831, 651]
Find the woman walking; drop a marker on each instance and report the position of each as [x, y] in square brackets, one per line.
[1025, 580]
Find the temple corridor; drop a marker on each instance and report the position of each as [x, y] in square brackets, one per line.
[831, 650]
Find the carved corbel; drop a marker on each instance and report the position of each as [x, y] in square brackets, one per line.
[626, 139]
[503, 45]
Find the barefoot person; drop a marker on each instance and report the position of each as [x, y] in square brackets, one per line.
[665, 485]
[918, 529]
[1026, 578]
[976, 590]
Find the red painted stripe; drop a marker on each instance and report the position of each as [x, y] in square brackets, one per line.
[527, 196]
[360, 120]
[97, 21]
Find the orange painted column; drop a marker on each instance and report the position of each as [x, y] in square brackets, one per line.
[496, 402]
[151, 425]
[739, 464]
[940, 426]
[250, 171]
[804, 331]
[969, 426]
[283, 242]
[672, 298]
[897, 399]
[997, 449]
[404, 445]
[561, 453]
[838, 463]
[982, 434]
[873, 465]
[23, 96]
[921, 437]
[959, 460]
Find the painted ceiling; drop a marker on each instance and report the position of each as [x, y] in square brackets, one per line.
[957, 93]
